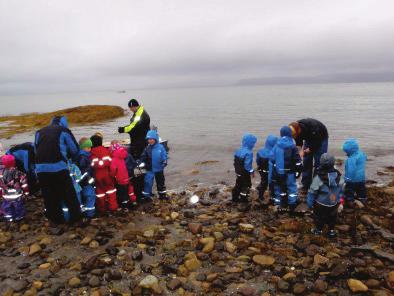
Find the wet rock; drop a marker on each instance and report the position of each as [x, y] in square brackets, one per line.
[192, 263]
[15, 285]
[56, 231]
[201, 277]
[23, 265]
[46, 241]
[37, 285]
[94, 281]
[34, 249]
[263, 260]
[247, 291]
[340, 269]
[174, 284]
[372, 284]
[94, 244]
[357, 286]
[209, 244]
[44, 266]
[343, 228]
[152, 283]
[189, 214]
[146, 268]
[246, 228]
[86, 240]
[174, 216]
[283, 286]
[289, 277]
[137, 255]
[320, 260]
[230, 247]
[320, 286]
[149, 233]
[299, 289]
[74, 282]
[195, 228]
[113, 251]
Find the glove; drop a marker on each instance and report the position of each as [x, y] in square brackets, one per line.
[121, 130]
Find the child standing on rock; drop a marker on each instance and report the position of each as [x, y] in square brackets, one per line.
[118, 169]
[88, 194]
[264, 166]
[13, 186]
[243, 165]
[354, 172]
[324, 195]
[105, 186]
[155, 159]
[287, 166]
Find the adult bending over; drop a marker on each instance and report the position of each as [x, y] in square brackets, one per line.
[311, 136]
[54, 145]
[137, 129]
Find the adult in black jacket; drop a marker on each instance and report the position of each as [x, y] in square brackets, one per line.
[311, 136]
[137, 129]
[54, 146]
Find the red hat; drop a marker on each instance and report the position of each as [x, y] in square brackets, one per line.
[8, 161]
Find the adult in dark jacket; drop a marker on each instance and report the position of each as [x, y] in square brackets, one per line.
[54, 145]
[25, 162]
[137, 129]
[311, 136]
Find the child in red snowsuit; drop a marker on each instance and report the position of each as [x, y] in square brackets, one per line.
[125, 189]
[105, 186]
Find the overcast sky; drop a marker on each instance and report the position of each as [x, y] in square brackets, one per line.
[77, 45]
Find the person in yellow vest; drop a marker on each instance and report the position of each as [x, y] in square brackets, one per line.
[137, 129]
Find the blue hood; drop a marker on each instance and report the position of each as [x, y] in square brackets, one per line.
[350, 146]
[270, 142]
[60, 120]
[248, 141]
[152, 134]
[285, 142]
[285, 131]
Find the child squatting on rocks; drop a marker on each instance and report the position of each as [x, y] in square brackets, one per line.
[13, 186]
[324, 195]
[354, 172]
[155, 159]
[264, 166]
[243, 165]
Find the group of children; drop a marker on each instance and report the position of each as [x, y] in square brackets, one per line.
[102, 177]
[279, 164]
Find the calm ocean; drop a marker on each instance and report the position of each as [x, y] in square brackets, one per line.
[206, 124]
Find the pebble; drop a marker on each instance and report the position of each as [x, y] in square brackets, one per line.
[357, 286]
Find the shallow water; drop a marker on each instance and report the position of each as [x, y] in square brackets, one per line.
[207, 123]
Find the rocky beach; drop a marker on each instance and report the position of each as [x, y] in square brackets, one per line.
[212, 247]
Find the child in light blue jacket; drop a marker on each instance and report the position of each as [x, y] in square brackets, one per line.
[354, 171]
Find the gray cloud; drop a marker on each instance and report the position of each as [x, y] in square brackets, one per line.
[78, 45]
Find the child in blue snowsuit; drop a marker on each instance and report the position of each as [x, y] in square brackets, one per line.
[243, 165]
[324, 195]
[88, 194]
[354, 171]
[264, 165]
[287, 166]
[155, 159]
